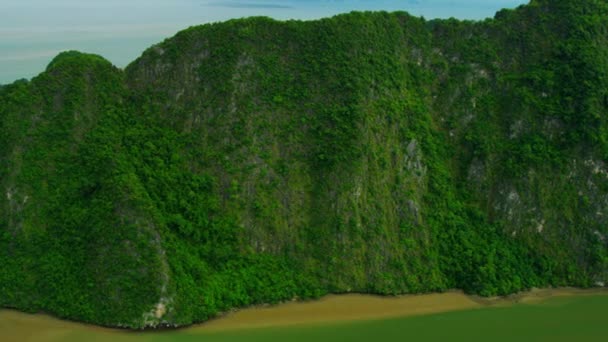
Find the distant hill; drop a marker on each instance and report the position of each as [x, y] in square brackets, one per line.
[257, 161]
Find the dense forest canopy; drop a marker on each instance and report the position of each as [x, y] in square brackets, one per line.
[257, 161]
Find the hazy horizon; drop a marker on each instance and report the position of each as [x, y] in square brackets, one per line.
[32, 32]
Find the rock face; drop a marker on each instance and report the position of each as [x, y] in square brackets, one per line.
[256, 161]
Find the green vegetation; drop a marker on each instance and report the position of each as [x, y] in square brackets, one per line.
[257, 161]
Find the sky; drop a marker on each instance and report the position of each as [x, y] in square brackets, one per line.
[32, 32]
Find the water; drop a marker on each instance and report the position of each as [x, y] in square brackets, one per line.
[32, 32]
[557, 315]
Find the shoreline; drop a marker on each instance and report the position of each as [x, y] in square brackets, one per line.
[333, 308]
[366, 307]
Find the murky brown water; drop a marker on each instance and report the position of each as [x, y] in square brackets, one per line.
[17, 326]
[335, 308]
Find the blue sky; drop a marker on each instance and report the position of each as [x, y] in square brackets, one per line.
[33, 31]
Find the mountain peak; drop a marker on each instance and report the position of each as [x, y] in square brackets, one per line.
[75, 58]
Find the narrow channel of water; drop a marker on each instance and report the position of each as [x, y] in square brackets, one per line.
[17, 326]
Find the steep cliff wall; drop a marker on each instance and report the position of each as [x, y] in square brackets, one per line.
[257, 161]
